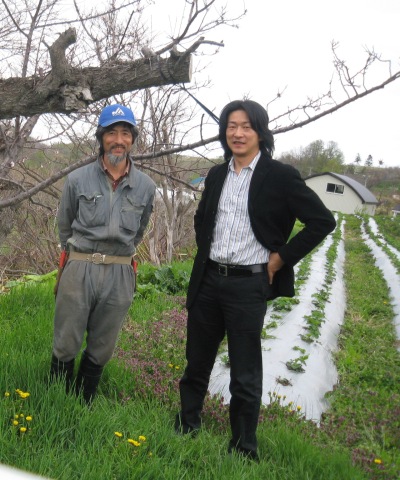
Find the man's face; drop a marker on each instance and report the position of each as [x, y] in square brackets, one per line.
[240, 136]
[117, 142]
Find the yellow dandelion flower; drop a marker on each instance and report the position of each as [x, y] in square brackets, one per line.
[21, 415]
[118, 434]
[28, 418]
[279, 396]
[7, 394]
[171, 365]
[133, 442]
[21, 393]
[177, 367]
[142, 438]
[16, 416]
[298, 407]
[378, 461]
[15, 423]
[23, 429]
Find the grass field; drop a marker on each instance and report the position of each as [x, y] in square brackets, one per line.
[128, 431]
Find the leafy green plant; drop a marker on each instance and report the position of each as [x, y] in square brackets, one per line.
[265, 335]
[297, 364]
[299, 349]
[225, 360]
[284, 304]
[317, 316]
[166, 279]
[272, 324]
[28, 280]
[308, 337]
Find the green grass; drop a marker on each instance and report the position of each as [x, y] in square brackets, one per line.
[138, 396]
[390, 228]
[66, 440]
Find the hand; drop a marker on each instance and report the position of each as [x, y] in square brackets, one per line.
[275, 263]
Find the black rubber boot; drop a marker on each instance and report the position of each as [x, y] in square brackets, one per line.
[88, 379]
[62, 370]
[183, 429]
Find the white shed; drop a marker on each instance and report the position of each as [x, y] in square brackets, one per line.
[396, 210]
[342, 194]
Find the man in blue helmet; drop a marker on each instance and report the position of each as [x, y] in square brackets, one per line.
[104, 210]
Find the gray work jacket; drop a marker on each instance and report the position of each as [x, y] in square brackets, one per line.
[93, 218]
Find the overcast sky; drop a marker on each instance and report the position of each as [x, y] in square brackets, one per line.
[286, 44]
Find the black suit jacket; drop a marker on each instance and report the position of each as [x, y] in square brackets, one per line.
[277, 197]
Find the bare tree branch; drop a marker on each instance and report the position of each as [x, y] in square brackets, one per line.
[65, 171]
[352, 99]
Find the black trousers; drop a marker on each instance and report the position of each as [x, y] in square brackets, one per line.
[234, 305]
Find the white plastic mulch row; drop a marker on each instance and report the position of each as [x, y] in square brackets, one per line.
[307, 390]
[389, 272]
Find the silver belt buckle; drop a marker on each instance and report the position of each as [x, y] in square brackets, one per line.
[223, 270]
[98, 258]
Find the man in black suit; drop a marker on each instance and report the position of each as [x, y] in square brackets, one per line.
[243, 223]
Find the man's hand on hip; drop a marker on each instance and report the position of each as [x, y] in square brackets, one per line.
[275, 263]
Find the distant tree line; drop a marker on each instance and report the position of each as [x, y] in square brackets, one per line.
[316, 158]
[319, 157]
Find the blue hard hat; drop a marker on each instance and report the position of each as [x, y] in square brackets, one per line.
[116, 113]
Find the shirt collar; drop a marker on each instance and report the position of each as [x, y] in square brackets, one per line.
[251, 165]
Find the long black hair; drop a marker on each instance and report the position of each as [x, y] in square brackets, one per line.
[258, 117]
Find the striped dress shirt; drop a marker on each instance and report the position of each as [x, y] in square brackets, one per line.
[233, 240]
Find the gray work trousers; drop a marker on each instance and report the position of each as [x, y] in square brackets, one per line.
[92, 299]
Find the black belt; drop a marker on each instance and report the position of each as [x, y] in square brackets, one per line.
[228, 270]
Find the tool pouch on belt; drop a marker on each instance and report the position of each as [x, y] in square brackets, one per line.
[61, 264]
[134, 266]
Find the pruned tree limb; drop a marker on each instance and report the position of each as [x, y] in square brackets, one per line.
[66, 89]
